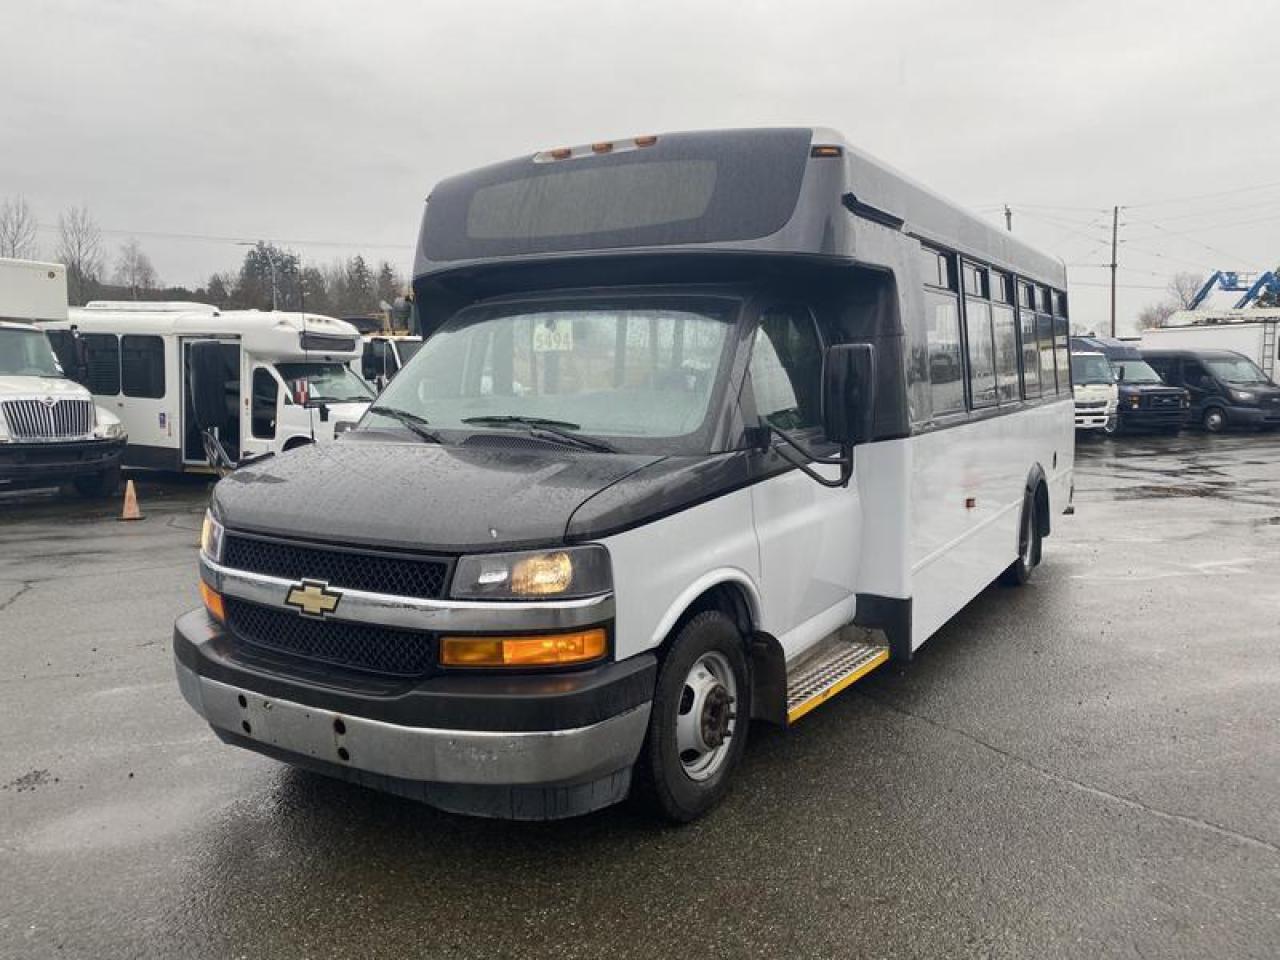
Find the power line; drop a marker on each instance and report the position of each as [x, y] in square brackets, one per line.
[1205, 196]
[1121, 286]
[212, 238]
[1191, 239]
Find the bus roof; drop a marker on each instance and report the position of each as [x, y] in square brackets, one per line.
[785, 190]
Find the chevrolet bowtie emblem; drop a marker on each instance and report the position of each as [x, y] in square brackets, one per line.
[313, 598]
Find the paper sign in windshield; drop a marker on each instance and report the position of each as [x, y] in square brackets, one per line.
[553, 337]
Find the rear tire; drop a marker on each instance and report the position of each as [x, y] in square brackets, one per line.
[698, 723]
[103, 484]
[1214, 420]
[1019, 572]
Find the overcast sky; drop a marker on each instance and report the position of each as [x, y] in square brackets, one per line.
[322, 126]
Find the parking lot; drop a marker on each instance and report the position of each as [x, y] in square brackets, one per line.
[1085, 767]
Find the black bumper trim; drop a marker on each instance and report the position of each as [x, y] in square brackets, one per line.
[55, 459]
[513, 703]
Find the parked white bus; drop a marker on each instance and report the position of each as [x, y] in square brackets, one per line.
[706, 427]
[285, 377]
[50, 430]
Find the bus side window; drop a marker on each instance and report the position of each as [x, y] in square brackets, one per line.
[786, 369]
[102, 356]
[266, 393]
[372, 360]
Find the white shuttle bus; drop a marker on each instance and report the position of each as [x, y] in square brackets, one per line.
[278, 380]
[706, 427]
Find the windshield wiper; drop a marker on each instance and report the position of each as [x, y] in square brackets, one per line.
[410, 421]
[543, 428]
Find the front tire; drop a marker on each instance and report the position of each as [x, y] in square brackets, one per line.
[1019, 572]
[1112, 426]
[698, 723]
[1214, 420]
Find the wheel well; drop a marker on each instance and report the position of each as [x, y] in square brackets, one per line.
[727, 598]
[293, 443]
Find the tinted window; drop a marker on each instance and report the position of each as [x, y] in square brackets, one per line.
[64, 350]
[688, 188]
[786, 369]
[266, 392]
[102, 361]
[1001, 288]
[982, 362]
[373, 362]
[946, 372]
[1030, 355]
[1005, 327]
[1048, 365]
[1063, 351]
[142, 366]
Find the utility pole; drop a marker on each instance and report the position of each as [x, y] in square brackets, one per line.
[1115, 230]
[1008, 218]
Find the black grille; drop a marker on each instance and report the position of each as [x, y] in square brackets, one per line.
[357, 646]
[376, 573]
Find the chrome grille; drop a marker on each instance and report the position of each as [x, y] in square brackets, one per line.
[63, 419]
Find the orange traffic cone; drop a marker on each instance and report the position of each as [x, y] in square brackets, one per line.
[130, 511]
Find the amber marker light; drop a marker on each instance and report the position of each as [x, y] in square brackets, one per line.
[645, 141]
[826, 150]
[548, 650]
[603, 147]
[212, 602]
[561, 153]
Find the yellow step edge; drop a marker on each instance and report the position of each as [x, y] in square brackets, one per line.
[818, 699]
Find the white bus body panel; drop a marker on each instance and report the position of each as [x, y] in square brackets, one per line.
[1242, 337]
[31, 290]
[957, 550]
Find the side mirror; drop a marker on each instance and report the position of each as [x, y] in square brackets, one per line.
[207, 384]
[848, 393]
[1120, 373]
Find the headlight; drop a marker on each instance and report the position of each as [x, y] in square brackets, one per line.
[110, 431]
[564, 574]
[1242, 396]
[1135, 401]
[211, 534]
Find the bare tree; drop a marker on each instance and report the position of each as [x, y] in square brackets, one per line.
[1183, 289]
[17, 229]
[134, 269]
[80, 248]
[1156, 314]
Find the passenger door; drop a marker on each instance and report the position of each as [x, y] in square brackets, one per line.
[807, 533]
[1198, 383]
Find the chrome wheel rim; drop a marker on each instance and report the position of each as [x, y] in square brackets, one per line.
[705, 716]
[1213, 421]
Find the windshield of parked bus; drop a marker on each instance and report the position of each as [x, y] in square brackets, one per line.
[637, 371]
[26, 353]
[1237, 370]
[1090, 368]
[325, 382]
[1134, 371]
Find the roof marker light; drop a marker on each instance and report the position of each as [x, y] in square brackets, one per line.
[826, 150]
[645, 141]
[602, 147]
[561, 153]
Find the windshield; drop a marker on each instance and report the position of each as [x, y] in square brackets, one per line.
[1237, 370]
[638, 369]
[1090, 368]
[325, 382]
[26, 353]
[1134, 371]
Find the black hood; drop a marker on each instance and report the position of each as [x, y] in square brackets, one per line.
[419, 496]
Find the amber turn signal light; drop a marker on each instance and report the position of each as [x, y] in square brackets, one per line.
[212, 602]
[547, 650]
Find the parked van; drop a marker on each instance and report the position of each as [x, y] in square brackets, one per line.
[1227, 389]
[1093, 384]
[50, 430]
[282, 379]
[1144, 401]
[383, 355]
[680, 454]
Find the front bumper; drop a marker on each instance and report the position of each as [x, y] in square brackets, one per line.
[1093, 418]
[1153, 418]
[57, 460]
[1268, 416]
[531, 746]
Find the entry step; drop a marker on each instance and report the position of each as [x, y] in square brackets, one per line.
[838, 661]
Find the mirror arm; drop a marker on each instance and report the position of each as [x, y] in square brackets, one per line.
[843, 460]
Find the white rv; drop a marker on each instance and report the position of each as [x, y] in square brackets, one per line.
[1254, 333]
[284, 378]
[50, 430]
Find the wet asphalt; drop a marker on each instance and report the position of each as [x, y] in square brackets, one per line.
[1086, 767]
